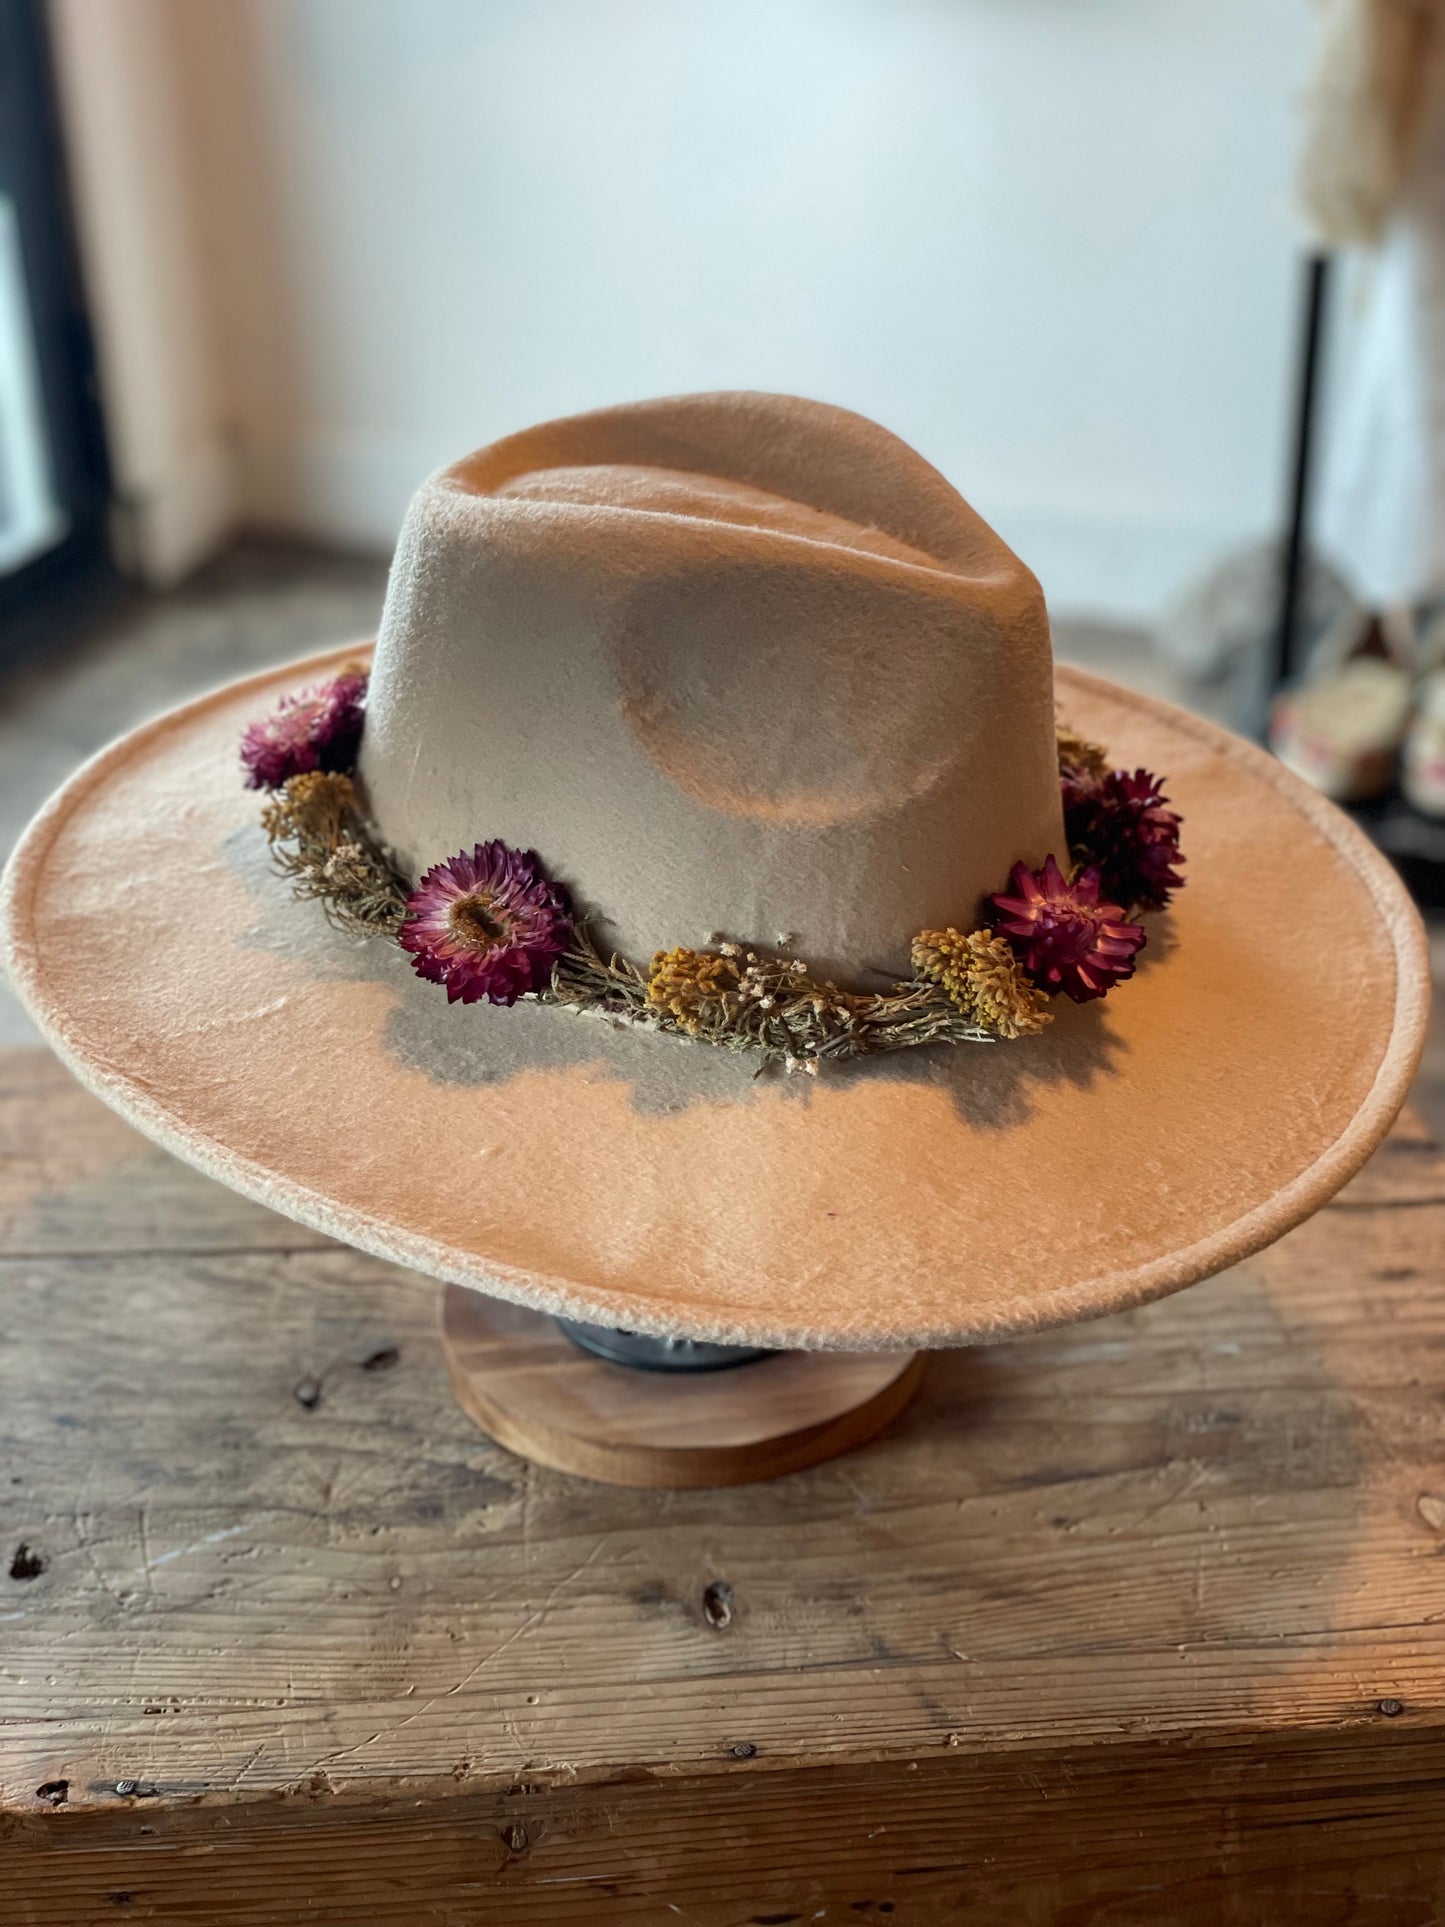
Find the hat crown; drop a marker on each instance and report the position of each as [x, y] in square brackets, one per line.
[735, 663]
[641, 489]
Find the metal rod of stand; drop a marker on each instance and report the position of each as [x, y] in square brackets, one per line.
[1306, 397]
[647, 1354]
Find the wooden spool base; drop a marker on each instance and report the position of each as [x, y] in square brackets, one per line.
[528, 1386]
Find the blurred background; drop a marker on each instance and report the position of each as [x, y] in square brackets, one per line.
[325, 245]
[1159, 286]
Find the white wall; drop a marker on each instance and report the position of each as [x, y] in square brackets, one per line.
[1044, 240]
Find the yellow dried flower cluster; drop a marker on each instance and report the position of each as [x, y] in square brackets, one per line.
[318, 838]
[1077, 752]
[320, 805]
[694, 986]
[983, 979]
[967, 987]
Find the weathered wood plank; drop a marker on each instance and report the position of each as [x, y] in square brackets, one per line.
[1316, 1832]
[999, 1515]
[1163, 1596]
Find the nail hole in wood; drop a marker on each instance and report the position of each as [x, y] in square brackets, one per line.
[717, 1605]
[27, 1563]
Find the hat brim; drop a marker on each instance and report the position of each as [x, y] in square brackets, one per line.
[934, 1198]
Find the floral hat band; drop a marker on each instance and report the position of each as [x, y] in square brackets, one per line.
[491, 924]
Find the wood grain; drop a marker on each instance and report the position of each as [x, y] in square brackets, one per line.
[1142, 1621]
[531, 1389]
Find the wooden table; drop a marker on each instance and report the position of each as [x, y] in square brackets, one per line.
[1140, 1622]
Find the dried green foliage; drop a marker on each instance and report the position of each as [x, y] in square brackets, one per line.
[743, 1000]
[732, 998]
[967, 988]
[319, 839]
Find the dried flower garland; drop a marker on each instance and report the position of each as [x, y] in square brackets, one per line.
[490, 923]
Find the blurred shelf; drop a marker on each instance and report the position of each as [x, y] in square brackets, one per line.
[1414, 843]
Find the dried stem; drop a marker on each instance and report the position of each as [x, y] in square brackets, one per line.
[320, 840]
[734, 998]
[773, 1005]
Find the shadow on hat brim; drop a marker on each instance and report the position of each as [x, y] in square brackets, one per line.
[936, 1198]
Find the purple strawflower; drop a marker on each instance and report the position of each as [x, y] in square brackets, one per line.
[1122, 827]
[490, 925]
[319, 728]
[1066, 936]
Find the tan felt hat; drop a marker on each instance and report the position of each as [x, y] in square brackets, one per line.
[745, 663]
[732, 662]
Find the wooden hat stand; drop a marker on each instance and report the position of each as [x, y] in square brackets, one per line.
[677, 1414]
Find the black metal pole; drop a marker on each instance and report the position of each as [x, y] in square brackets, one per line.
[1306, 396]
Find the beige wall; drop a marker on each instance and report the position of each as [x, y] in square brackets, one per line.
[133, 133]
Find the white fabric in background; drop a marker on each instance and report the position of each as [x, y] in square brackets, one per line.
[1382, 495]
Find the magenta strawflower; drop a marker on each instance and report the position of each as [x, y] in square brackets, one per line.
[1064, 934]
[319, 728]
[490, 925]
[1121, 826]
